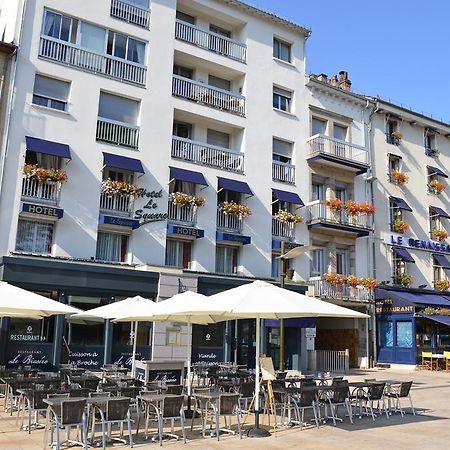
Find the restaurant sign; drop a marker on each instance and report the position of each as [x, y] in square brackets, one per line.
[38, 356]
[123, 355]
[390, 306]
[86, 356]
[166, 376]
[207, 355]
[419, 244]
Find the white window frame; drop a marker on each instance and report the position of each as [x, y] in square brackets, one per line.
[49, 244]
[282, 94]
[277, 45]
[110, 234]
[49, 99]
[228, 253]
[176, 260]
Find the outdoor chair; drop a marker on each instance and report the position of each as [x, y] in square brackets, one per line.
[398, 392]
[174, 389]
[35, 405]
[171, 409]
[447, 361]
[200, 404]
[72, 413]
[227, 405]
[306, 400]
[246, 391]
[428, 362]
[375, 393]
[340, 395]
[117, 411]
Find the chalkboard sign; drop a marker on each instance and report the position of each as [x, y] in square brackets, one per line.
[267, 369]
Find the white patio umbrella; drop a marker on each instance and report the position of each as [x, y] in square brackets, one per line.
[194, 309]
[18, 302]
[261, 300]
[117, 309]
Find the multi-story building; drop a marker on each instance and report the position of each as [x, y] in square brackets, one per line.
[142, 138]
[411, 160]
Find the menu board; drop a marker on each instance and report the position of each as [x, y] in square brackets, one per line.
[267, 369]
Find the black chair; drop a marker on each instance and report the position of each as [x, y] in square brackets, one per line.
[375, 393]
[340, 396]
[171, 409]
[246, 390]
[306, 400]
[174, 389]
[226, 406]
[398, 392]
[35, 405]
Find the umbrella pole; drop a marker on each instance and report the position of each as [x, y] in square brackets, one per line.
[256, 431]
[188, 413]
[134, 348]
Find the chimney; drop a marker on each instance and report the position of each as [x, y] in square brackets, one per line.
[344, 83]
[323, 77]
[334, 81]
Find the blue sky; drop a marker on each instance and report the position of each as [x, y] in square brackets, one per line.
[397, 49]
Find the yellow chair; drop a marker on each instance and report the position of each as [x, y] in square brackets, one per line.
[447, 361]
[427, 361]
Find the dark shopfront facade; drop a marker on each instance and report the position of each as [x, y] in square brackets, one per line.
[234, 341]
[49, 342]
[410, 321]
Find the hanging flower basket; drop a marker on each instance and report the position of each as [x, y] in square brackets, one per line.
[36, 172]
[440, 235]
[399, 226]
[334, 204]
[235, 209]
[183, 199]
[284, 216]
[442, 285]
[403, 279]
[115, 188]
[436, 186]
[399, 178]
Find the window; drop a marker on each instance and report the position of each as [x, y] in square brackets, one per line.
[430, 143]
[392, 132]
[60, 27]
[125, 47]
[341, 193]
[112, 247]
[34, 237]
[118, 175]
[282, 99]
[342, 261]
[182, 71]
[435, 222]
[43, 160]
[340, 132]
[281, 50]
[144, 4]
[281, 151]
[185, 17]
[396, 213]
[227, 259]
[218, 138]
[50, 92]
[398, 266]
[218, 30]
[318, 262]
[435, 186]
[394, 165]
[32, 331]
[385, 333]
[92, 38]
[119, 109]
[276, 265]
[318, 126]
[438, 271]
[228, 196]
[183, 130]
[404, 336]
[178, 253]
[318, 191]
[220, 83]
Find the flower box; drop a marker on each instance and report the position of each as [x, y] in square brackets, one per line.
[440, 235]
[235, 209]
[183, 199]
[442, 285]
[399, 178]
[115, 188]
[396, 137]
[284, 216]
[436, 186]
[403, 279]
[36, 172]
[433, 152]
[399, 226]
[334, 204]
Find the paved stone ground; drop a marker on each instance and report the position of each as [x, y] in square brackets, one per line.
[430, 429]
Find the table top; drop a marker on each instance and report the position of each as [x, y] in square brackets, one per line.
[89, 400]
[213, 395]
[154, 397]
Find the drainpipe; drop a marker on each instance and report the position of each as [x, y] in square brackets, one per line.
[12, 80]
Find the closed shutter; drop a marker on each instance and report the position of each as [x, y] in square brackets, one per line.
[218, 138]
[219, 83]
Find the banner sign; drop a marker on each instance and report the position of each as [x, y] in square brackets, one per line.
[119, 221]
[244, 240]
[47, 211]
[208, 355]
[167, 376]
[123, 355]
[390, 306]
[87, 356]
[20, 354]
[419, 244]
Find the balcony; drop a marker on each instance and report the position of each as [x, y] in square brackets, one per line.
[284, 230]
[323, 219]
[283, 172]
[46, 192]
[186, 215]
[339, 154]
[121, 205]
[130, 13]
[210, 41]
[208, 95]
[206, 155]
[325, 290]
[117, 133]
[227, 222]
[100, 64]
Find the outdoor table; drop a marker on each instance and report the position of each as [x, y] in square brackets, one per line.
[204, 398]
[153, 400]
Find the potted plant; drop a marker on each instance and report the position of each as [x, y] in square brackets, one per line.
[399, 178]
[36, 172]
[399, 226]
[183, 199]
[434, 152]
[284, 216]
[367, 208]
[352, 208]
[235, 209]
[442, 285]
[369, 283]
[436, 186]
[334, 204]
[396, 137]
[334, 279]
[353, 281]
[403, 279]
[115, 188]
[440, 235]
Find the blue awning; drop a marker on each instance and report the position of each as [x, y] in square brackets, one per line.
[403, 254]
[400, 203]
[47, 147]
[437, 171]
[437, 318]
[441, 260]
[187, 175]
[413, 298]
[234, 185]
[122, 162]
[440, 212]
[289, 197]
[300, 322]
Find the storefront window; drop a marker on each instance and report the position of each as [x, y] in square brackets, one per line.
[443, 336]
[32, 331]
[424, 333]
[386, 334]
[404, 334]
[122, 333]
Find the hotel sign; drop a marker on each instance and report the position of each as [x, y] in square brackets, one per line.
[419, 244]
[185, 231]
[389, 306]
[148, 211]
[46, 211]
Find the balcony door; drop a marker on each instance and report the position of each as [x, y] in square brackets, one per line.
[342, 261]
[340, 133]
